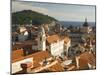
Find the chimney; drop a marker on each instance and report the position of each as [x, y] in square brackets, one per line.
[77, 62]
[26, 67]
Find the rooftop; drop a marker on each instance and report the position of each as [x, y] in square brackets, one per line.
[66, 39]
[53, 38]
[38, 56]
[86, 58]
[56, 68]
[16, 54]
[23, 44]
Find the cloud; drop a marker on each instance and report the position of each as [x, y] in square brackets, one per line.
[19, 6]
[60, 12]
[75, 14]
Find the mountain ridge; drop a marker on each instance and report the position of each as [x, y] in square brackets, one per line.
[31, 17]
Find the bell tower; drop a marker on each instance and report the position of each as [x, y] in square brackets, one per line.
[85, 23]
[41, 39]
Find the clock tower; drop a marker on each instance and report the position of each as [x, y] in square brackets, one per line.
[41, 39]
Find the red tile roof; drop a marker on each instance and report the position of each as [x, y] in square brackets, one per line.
[37, 57]
[16, 54]
[66, 39]
[56, 68]
[52, 39]
[55, 38]
[86, 58]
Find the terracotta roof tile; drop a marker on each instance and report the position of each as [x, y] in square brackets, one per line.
[66, 39]
[38, 56]
[17, 54]
[86, 58]
[56, 68]
[53, 38]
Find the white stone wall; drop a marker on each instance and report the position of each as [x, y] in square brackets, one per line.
[67, 46]
[23, 37]
[57, 48]
[44, 46]
[42, 40]
[16, 65]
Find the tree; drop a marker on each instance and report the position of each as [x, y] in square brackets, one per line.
[25, 16]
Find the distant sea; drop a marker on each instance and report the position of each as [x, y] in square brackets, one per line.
[75, 24]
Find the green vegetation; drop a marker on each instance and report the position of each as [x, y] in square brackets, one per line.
[29, 16]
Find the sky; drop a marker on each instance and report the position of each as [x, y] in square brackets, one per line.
[61, 12]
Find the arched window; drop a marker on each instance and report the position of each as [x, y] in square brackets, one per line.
[40, 38]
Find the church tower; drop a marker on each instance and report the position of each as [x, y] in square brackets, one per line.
[41, 39]
[85, 23]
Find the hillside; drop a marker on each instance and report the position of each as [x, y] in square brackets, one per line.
[29, 16]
